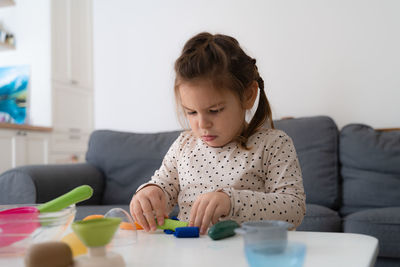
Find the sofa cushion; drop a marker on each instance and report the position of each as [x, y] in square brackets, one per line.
[316, 142]
[370, 170]
[387, 262]
[320, 219]
[41, 183]
[382, 223]
[127, 160]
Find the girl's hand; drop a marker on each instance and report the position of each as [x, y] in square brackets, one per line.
[148, 203]
[208, 208]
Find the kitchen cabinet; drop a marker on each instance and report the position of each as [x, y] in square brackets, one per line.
[72, 42]
[23, 147]
[72, 82]
[72, 109]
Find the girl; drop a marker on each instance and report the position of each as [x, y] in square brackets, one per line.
[223, 167]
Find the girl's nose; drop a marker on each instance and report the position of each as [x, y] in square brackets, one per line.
[204, 122]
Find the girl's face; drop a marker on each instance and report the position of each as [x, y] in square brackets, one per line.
[215, 116]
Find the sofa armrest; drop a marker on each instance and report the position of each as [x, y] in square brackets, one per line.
[41, 183]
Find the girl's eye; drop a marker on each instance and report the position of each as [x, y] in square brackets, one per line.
[216, 110]
[191, 112]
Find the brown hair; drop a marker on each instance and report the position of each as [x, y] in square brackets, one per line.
[220, 59]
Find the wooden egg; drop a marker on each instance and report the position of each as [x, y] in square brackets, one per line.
[49, 254]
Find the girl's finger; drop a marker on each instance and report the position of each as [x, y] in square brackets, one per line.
[218, 213]
[131, 205]
[193, 213]
[208, 215]
[164, 201]
[148, 213]
[215, 218]
[137, 210]
[200, 212]
[158, 204]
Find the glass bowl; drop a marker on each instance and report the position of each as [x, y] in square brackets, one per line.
[48, 226]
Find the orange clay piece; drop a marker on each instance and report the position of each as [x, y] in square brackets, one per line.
[123, 225]
[138, 226]
[126, 226]
[94, 216]
[129, 226]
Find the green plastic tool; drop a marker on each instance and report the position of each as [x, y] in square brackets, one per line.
[74, 196]
[170, 224]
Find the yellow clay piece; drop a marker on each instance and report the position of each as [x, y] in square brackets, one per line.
[76, 245]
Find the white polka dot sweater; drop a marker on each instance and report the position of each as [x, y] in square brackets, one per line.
[263, 183]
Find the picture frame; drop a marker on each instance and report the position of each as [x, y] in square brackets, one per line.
[14, 91]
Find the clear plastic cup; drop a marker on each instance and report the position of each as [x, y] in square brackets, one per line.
[123, 237]
[266, 244]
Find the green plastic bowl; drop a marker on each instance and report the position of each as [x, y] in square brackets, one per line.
[96, 232]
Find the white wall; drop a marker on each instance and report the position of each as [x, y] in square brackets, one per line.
[338, 58]
[29, 21]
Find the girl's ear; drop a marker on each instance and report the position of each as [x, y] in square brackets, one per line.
[250, 95]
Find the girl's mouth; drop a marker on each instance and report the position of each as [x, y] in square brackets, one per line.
[208, 138]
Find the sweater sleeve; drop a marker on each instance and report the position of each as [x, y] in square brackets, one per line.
[283, 197]
[166, 177]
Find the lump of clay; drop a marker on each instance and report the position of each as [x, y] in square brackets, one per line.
[49, 254]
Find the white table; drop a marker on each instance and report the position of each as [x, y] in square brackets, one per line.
[159, 249]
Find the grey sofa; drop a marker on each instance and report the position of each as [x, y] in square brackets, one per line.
[351, 177]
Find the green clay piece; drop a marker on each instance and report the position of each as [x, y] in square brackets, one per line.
[76, 195]
[223, 229]
[96, 232]
[172, 224]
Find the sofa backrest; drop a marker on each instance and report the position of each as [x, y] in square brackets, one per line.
[370, 168]
[127, 160]
[130, 159]
[316, 142]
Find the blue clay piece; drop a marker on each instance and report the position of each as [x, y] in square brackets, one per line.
[168, 231]
[174, 218]
[187, 232]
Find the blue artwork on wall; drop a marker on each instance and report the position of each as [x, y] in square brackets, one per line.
[14, 83]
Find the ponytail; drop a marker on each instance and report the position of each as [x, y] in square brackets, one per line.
[263, 113]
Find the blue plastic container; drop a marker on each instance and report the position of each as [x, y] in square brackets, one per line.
[266, 244]
[264, 255]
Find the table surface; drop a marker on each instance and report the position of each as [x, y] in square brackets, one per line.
[159, 249]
